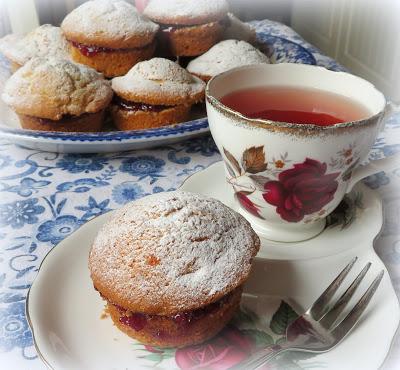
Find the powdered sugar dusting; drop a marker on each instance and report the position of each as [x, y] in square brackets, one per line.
[224, 56]
[43, 41]
[159, 76]
[50, 88]
[111, 19]
[175, 247]
[186, 9]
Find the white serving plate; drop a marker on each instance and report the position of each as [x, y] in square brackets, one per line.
[64, 310]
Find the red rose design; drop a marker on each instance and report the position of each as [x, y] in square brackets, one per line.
[301, 190]
[229, 348]
[247, 204]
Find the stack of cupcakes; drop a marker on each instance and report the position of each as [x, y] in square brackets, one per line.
[112, 39]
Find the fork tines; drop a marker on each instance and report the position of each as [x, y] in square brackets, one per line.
[327, 317]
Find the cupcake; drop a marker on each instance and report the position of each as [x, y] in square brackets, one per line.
[171, 267]
[44, 41]
[109, 36]
[224, 56]
[188, 27]
[51, 94]
[154, 93]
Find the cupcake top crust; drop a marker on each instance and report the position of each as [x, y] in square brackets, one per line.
[159, 81]
[171, 252]
[43, 41]
[110, 24]
[51, 88]
[224, 56]
[186, 12]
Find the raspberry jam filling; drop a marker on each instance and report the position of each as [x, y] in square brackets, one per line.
[183, 320]
[132, 106]
[93, 50]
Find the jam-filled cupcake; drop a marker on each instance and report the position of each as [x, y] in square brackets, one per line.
[109, 36]
[51, 94]
[171, 267]
[154, 93]
[224, 56]
[43, 41]
[188, 27]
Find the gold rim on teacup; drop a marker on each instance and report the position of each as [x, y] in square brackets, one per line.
[294, 128]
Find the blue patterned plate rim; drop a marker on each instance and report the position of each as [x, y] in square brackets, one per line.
[301, 52]
[134, 135]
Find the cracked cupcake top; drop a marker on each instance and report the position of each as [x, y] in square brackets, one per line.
[43, 41]
[112, 24]
[172, 252]
[224, 56]
[186, 12]
[159, 81]
[50, 88]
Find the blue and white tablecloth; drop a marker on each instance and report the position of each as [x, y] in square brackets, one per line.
[44, 197]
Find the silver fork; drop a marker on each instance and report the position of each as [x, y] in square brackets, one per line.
[317, 329]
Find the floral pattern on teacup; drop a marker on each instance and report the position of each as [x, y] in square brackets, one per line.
[301, 190]
[297, 191]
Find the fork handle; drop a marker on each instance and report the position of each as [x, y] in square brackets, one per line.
[260, 358]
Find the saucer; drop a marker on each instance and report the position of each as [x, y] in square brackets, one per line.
[354, 225]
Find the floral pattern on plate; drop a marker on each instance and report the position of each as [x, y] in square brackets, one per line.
[241, 338]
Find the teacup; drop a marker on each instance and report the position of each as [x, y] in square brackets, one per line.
[287, 177]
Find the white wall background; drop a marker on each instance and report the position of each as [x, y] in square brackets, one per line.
[364, 35]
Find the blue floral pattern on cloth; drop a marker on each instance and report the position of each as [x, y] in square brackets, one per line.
[14, 329]
[143, 166]
[77, 163]
[20, 212]
[57, 230]
[44, 197]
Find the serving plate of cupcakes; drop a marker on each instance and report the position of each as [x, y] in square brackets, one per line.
[111, 78]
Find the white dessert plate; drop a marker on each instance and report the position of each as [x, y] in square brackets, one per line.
[278, 49]
[64, 311]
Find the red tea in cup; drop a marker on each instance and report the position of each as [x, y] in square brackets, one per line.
[295, 105]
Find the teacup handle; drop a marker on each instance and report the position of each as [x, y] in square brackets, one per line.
[386, 164]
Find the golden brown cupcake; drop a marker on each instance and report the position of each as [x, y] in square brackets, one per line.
[188, 27]
[109, 36]
[154, 93]
[226, 55]
[171, 267]
[44, 41]
[58, 95]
